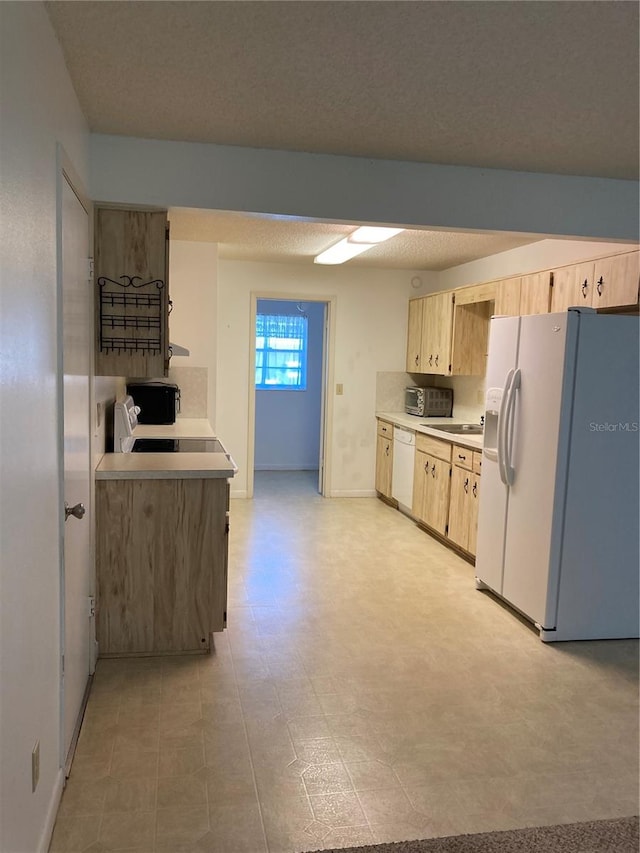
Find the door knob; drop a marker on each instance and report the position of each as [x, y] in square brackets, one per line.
[76, 511]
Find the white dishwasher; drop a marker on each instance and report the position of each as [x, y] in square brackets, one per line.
[404, 448]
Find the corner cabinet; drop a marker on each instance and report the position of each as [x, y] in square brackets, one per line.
[131, 266]
[384, 459]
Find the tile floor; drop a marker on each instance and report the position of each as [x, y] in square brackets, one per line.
[364, 691]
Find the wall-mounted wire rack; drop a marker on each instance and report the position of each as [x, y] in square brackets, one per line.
[131, 315]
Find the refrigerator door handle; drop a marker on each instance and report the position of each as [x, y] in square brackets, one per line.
[501, 448]
[509, 470]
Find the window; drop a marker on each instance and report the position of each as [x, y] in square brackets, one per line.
[281, 352]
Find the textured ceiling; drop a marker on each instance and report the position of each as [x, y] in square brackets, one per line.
[291, 240]
[534, 86]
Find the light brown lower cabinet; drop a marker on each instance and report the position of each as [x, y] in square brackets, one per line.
[431, 480]
[465, 494]
[384, 458]
[161, 564]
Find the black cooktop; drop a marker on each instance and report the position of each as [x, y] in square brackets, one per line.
[177, 445]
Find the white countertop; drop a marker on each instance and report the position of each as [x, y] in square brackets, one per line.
[402, 419]
[165, 466]
[168, 466]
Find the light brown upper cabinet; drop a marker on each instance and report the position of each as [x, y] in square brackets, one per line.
[507, 302]
[535, 293]
[470, 338]
[429, 334]
[616, 280]
[605, 283]
[437, 327]
[132, 299]
[414, 336]
[528, 294]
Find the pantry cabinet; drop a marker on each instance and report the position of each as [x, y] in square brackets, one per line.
[464, 500]
[384, 458]
[131, 262]
[606, 283]
[431, 483]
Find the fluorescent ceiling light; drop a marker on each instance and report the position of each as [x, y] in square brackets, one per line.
[373, 234]
[358, 241]
[341, 252]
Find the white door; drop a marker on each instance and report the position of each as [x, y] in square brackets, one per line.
[76, 364]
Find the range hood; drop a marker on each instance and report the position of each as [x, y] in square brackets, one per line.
[176, 349]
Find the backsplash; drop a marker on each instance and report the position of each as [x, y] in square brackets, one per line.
[192, 382]
[468, 392]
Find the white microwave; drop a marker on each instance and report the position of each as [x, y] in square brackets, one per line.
[428, 402]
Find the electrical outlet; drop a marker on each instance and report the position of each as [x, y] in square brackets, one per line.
[35, 766]
[339, 389]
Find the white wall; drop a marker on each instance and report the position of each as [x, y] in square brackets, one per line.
[194, 293]
[38, 109]
[370, 334]
[360, 189]
[287, 430]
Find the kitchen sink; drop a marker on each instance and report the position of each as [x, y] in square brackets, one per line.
[458, 429]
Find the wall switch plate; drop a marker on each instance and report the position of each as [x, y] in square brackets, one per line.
[35, 766]
[339, 389]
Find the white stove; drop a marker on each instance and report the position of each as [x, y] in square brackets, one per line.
[125, 420]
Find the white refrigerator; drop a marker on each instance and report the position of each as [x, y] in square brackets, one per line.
[558, 516]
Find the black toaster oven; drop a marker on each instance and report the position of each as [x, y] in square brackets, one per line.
[159, 402]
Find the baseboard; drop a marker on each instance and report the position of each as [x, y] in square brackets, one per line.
[353, 493]
[52, 813]
[285, 467]
[240, 493]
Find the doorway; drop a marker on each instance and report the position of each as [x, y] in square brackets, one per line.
[289, 407]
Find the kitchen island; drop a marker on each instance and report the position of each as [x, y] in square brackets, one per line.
[161, 547]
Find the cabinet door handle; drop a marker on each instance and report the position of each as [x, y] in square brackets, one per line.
[433, 470]
[430, 360]
[386, 450]
[466, 486]
[599, 286]
[584, 288]
[437, 357]
[417, 359]
[475, 490]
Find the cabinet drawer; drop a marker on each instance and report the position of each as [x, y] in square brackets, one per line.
[462, 457]
[385, 429]
[437, 448]
[477, 462]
